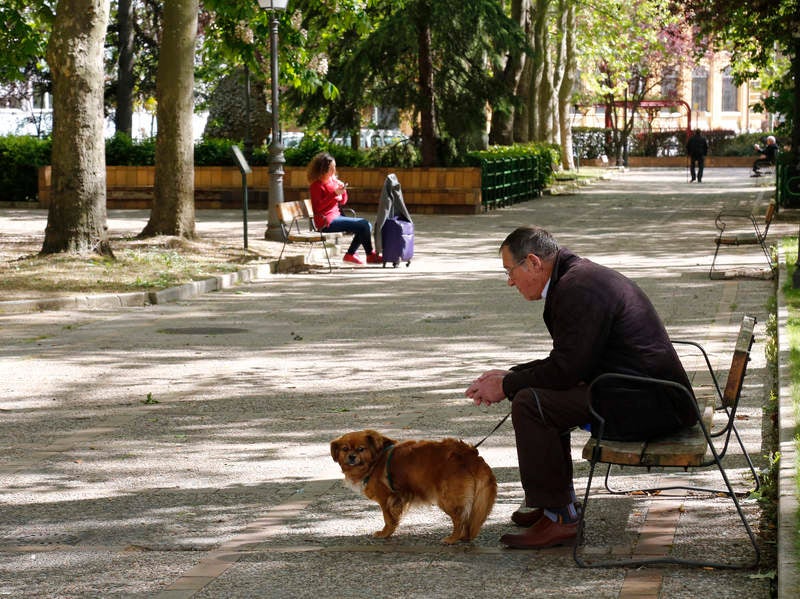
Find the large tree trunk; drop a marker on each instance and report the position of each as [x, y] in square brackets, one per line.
[540, 49]
[76, 221]
[426, 91]
[567, 21]
[522, 133]
[123, 116]
[502, 127]
[173, 199]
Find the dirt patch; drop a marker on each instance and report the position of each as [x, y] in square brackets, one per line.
[138, 265]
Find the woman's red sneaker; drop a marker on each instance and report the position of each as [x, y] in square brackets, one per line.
[353, 259]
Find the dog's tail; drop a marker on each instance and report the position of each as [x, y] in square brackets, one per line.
[483, 499]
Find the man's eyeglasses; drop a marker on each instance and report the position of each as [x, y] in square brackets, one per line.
[510, 271]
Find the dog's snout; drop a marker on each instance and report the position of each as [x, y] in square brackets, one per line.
[352, 459]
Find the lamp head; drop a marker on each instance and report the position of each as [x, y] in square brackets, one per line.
[273, 4]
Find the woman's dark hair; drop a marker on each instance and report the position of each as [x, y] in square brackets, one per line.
[530, 240]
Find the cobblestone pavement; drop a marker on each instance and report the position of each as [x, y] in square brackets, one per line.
[182, 449]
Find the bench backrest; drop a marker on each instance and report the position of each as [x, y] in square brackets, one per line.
[288, 211]
[741, 355]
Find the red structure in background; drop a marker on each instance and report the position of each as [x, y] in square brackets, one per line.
[645, 104]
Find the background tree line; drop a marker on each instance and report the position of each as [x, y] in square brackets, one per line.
[464, 73]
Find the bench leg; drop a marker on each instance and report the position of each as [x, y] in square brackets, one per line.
[634, 561]
[713, 262]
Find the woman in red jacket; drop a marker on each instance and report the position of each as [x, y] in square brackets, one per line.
[328, 193]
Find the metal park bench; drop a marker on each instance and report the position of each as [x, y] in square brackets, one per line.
[697, 447]
[741, 227]
[297, 226]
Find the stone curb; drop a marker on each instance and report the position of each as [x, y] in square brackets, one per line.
[788, 562]
[144, 298]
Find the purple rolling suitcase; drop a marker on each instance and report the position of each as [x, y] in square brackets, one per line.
[397, 236]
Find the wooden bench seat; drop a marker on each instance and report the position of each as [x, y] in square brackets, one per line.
[683, 449]
[697, 447]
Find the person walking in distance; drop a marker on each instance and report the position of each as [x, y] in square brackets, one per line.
[697, 149]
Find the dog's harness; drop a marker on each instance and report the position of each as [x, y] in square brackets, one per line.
[389, 449]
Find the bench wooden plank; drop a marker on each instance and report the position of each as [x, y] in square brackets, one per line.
[683, 449]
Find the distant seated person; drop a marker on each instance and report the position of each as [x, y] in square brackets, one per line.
[767, 157]
[328, 194]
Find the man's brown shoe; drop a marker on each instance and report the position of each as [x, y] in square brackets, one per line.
[527, 516]
[545, 533]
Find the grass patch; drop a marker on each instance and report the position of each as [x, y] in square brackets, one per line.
[139, 265]
[792, 298]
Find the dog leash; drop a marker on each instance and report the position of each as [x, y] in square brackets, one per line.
[499, 424]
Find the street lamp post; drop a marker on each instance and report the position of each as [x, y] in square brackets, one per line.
[276, 159]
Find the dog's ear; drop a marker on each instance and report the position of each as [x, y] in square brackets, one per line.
[335, 450]
[377, 441]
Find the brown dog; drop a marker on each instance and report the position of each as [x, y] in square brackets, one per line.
[448, 473]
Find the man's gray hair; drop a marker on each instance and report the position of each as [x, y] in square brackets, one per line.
[531, 240]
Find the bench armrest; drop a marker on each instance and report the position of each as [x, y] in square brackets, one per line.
[733, 214]
[717, 388]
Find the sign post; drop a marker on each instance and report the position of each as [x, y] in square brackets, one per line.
[245, 169]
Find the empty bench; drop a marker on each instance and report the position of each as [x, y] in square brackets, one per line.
[693, 447]
[730, 232]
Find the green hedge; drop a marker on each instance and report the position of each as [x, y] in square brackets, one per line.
[545, 155]
[591, 142]
[20, 159]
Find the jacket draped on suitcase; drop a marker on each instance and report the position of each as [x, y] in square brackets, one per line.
[394, 229]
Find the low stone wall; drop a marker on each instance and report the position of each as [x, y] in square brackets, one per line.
[425, 190]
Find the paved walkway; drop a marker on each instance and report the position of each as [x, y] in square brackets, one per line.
[181, 449]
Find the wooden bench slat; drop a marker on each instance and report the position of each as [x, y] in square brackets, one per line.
[685, 448]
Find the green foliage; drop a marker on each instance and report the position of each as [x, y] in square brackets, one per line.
[20, 159]
[23, 37]
[366, 54]
[217, 152]
[590, 142]
[311, 145]
[401, 155]
[121, 150]
[547, 156]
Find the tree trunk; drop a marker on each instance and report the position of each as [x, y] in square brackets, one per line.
[524, 93]
[76, 221]
[426, 91]
[173, 193]
[123, 116]
[502, 126]
[546, 90]
[567, 82]
[537, 68]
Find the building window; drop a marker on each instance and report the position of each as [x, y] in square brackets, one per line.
[730, 92]
[700, 89]
[669, 85]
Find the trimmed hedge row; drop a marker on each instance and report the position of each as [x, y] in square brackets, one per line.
[589, 142]
[511, 174]
[20, 159]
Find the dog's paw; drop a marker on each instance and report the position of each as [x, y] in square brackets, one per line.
[382, 534]
[451, 540]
